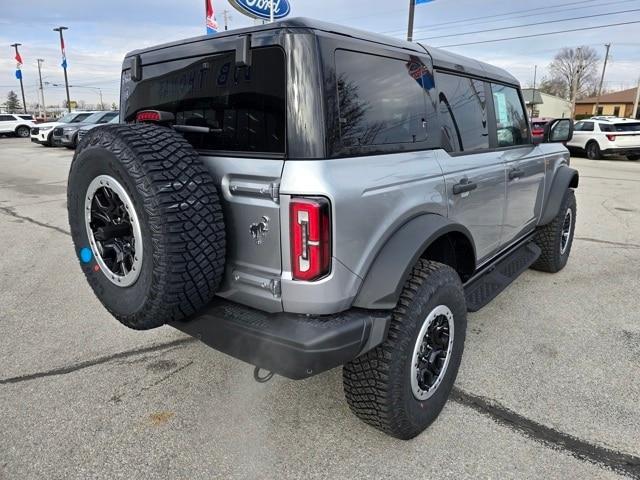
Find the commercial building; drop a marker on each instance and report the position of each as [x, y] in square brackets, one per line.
[619, 104]
[545, 105]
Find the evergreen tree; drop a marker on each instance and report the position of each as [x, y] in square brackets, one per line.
[13, 104]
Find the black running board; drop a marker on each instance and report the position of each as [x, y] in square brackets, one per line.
[496, 277]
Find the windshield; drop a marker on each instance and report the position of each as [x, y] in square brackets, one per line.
[67, 118]
[94, 118]
[115, 119]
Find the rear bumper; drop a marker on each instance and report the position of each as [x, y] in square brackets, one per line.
[292, 345]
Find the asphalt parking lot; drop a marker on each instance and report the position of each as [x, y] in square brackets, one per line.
[549, 386]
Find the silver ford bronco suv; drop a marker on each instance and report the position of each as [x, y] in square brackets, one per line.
[303, 196]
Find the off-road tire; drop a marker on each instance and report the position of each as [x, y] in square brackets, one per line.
[592, 150]
[180, 216]
[377, 384]
[549, 237]
[22, 131]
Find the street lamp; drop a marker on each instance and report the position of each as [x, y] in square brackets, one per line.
[64, 64]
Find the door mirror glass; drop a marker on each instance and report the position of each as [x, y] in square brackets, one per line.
[559, 130]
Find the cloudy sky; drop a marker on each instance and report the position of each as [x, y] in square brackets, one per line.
[102, 32]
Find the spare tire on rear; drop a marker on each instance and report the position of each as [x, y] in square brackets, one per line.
[146, 223]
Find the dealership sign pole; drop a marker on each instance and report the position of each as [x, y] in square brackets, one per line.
[64, 64]
[19, 74]
[412, 12]
[270, 10]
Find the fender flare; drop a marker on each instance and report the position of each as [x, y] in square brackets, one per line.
[392, 266]
[564, 179]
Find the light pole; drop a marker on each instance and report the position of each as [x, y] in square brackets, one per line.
[44, 105]
[24, 103]
[272, 13]
[64, 64]
[91, 88]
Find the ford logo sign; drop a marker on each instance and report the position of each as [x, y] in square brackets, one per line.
[262, 8]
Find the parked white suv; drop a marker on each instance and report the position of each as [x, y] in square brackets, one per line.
[16, 123]
[600, 136]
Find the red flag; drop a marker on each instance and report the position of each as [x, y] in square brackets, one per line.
[18, 58]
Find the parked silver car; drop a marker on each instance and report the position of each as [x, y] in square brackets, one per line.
[66, 135]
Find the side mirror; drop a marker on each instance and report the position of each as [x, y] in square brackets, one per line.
[559, 130]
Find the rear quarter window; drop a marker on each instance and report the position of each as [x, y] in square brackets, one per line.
[385, 104]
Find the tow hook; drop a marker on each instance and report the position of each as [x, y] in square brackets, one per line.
[261, 379]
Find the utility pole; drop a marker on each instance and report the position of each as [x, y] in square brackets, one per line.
[533, 96]
[635, 105]
[604, 69]
[227, 17]
[44, 105]
[574, 83]
[412, 14]
[64, 64]
[24, 103]
[101, 102]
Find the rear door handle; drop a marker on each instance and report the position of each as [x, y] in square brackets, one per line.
[465, 185]
[515, 173]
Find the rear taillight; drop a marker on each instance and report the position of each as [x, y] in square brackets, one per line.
[310, 229]
[155, 116]
[611, 138]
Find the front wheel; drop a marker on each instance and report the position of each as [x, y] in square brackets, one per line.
[556, 238]
[401, 386]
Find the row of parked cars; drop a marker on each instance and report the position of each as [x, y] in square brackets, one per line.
[66, 131]
[600, 136]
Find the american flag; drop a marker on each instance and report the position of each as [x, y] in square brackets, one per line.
[64, 55]
[18, 66]
[212, 25]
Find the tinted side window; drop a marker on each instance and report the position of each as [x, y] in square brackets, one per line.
[587, 127]
[381, 100]
[511, 121]
[7, 118]
[227, 107]
[604, 127]
[463, 113]
[578, 127]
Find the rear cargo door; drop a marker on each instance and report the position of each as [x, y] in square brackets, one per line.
[235, 116]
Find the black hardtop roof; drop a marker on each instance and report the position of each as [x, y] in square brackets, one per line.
[441, 58]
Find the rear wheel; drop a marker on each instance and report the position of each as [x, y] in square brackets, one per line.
[22, 131]
[147, 224]
[593, 151]
[401, 386]
[633, 157]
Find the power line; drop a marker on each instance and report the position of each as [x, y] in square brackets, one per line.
[532, 24]
[546, 12]
[540, 34]
[500, 14]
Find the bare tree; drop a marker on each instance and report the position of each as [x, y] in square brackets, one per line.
[554, 86]
[574, 72]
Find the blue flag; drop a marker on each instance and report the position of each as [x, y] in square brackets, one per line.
[19, 74]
